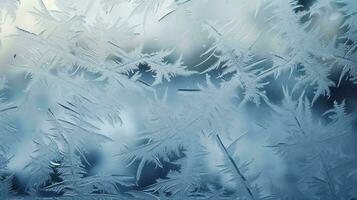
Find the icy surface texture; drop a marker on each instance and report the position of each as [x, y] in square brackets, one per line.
[178, 99]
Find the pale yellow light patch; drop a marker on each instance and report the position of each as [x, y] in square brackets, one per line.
[23, 20]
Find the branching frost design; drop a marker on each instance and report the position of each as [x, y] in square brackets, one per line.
[93, 105]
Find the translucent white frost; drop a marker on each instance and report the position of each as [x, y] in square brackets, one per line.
[74, 80]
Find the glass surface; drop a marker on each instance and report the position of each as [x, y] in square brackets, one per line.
[178, 99]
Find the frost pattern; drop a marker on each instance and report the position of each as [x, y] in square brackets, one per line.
[73, 78]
